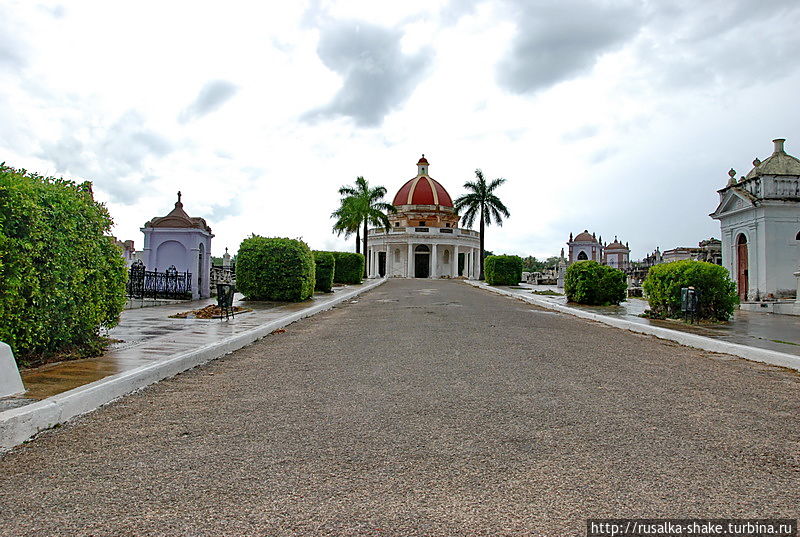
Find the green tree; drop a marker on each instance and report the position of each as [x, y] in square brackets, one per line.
[483, 203]
[348, 220]
[362, 203]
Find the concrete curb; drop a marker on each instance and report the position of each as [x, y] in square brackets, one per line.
[19, 424]
[692, 340]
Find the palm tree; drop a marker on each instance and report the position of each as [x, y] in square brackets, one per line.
[481, 200]
[363, 204]
[348, 221]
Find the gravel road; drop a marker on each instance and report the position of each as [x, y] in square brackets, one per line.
[422, 408]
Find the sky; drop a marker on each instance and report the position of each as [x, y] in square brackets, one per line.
[621, 117]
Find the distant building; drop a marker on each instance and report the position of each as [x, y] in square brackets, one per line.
[709, 250]
[182, 241]
[759, 216]
[584, 247]
[617, 255]
[129, 253]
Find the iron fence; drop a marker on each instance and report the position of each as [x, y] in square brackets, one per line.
[152, 284]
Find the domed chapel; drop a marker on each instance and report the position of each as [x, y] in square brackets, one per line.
[424, 239]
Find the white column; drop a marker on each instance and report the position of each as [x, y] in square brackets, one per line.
[455, 260]
[434, 261]
[410, 267]
[388, 260]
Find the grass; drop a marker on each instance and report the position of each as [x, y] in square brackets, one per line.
[786, 342]
[547, 292]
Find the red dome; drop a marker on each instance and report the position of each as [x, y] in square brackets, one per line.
[422, 191]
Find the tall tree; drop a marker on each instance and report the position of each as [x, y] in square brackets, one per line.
[348, 220]
[482, 202]
[366, 207]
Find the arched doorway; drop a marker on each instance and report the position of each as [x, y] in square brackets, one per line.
[741, 266]
[582, 256]
[422, 261]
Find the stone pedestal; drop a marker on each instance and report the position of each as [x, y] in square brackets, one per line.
[10, 381]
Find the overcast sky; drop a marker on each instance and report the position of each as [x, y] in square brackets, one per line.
[619, 117]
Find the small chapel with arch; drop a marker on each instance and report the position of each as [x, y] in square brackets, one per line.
[181, 241]
[759, 215]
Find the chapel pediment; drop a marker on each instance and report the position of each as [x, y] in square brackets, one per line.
[733, 199]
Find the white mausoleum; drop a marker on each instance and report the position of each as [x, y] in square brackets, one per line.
[182, 241]
[760, 219]
[424, 240]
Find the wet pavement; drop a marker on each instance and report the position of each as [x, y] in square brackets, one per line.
[146, 335]
[769, 331]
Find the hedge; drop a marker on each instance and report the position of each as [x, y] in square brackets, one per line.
[349, 267]
[325, 265]
[62, 277]
[503, 269]
[589, 282]
[275, 269]
[716, 293]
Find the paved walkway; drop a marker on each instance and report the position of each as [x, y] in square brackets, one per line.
[762, 330]
[149, 334]
[424, 408]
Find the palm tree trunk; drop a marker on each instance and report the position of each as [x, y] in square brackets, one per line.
[366, 257]
[481, 275]
[358, 241]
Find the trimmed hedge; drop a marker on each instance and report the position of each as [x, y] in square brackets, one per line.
[589, 282]
[349, 267]
[61, 275]
[275, 269]
[503, 269]
[324, 269]
[716, 292]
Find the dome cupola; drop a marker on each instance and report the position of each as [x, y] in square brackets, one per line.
[422, 189]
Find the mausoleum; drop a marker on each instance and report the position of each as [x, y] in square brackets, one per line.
[181, 241]
[424, 240]
[759, 215]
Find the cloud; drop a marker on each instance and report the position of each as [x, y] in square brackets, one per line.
[688, 45]
[13, 46]
[114, 157]
[557, 41]
[213, 95]
[377, 76]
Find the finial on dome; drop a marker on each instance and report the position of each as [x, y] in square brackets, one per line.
[422, 166]
[179, 199]
[779, 144]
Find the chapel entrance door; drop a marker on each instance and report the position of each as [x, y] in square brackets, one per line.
[382, 264]
[741, 267]
[422, 257]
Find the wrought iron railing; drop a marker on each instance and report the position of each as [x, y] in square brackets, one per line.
[152, 284]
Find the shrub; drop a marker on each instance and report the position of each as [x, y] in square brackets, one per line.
[589, 282]
[503, 269]
[716, 292]
[324, 268]
[61, 275]
[275, 269]
[349, 267]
